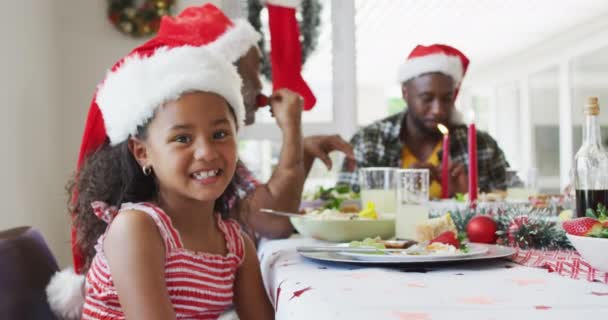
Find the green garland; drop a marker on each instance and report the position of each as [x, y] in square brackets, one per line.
[518, 226]
[138, 22]
[309, 30]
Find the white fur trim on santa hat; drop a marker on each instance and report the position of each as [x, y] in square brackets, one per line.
[65, 294]
[129, 95]
[285, 3]
[235, 41]
[448, 65]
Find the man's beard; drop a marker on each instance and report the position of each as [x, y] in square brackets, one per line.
[419, 125]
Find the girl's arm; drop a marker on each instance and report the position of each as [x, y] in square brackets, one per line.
[250, 296]
[136, 255]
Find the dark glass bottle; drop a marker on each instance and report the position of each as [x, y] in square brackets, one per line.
[591, 164]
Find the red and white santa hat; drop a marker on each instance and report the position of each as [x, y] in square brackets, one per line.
[152, 75]
[208, 25]
[159, 71]
[434, 58]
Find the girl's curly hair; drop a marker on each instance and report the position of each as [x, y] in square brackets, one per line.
[112, 175]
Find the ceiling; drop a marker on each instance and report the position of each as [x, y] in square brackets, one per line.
[485, 30]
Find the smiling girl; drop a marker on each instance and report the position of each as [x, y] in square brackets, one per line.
[149, 206]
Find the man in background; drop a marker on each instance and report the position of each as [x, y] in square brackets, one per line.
[430, 79]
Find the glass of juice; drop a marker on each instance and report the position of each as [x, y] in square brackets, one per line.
[377, 184]
[412, 201]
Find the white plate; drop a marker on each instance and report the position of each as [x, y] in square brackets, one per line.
[492, 252]
[474, 250]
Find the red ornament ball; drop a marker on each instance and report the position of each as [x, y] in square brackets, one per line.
[482, 229]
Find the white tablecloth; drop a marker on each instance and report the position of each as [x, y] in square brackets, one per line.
[305, 289]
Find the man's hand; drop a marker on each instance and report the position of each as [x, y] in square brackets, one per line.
[321, 145]
[459, 181]
[434, 171]
[286, 108]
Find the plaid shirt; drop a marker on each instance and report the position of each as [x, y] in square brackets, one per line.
[243, 183]
[378, 145]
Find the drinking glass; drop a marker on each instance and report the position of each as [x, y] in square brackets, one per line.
[412, 188]
[518, 190]
[377, 184]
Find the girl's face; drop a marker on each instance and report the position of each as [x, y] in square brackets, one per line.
[191, 146]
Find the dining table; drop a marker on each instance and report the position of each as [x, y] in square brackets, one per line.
[526, 285]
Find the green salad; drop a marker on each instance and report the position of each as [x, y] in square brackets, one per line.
[372, 243]
[368, 243]
[333, 196]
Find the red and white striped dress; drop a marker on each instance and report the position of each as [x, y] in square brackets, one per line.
[200, 285]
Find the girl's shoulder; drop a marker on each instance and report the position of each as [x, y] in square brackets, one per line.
[151, 217]
[133, 227]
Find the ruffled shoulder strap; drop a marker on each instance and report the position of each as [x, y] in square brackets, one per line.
[234, 238]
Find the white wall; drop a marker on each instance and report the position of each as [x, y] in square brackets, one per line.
[88, 45]
[31, 191]
[52, 61]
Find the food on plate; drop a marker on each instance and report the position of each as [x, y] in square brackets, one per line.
[595, 224]
[378, 243]
[329, 214]
[447, 237]
[431, 228]
[333, 197]
[446, 243]
[369, 211]
[585, 227]
[375, 243]
[349, 208]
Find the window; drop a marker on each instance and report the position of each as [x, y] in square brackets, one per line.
[260, 145]
[544, 108]
[590, 78]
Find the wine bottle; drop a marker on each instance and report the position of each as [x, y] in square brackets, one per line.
[591, 163]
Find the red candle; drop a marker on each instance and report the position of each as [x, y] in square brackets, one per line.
[472, 165]
[445, 162]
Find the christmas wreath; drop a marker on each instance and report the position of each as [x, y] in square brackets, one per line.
[309, 21]
[138, 22]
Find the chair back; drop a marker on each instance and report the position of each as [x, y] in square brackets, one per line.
[26, 266]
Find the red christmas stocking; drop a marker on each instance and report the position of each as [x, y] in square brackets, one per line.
[286, 53]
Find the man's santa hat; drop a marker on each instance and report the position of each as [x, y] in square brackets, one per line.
[208, 25]
[434, 58]
[159, 71]
[232, 40]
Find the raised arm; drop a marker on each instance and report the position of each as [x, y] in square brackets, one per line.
[136, 255]
[284, 188]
